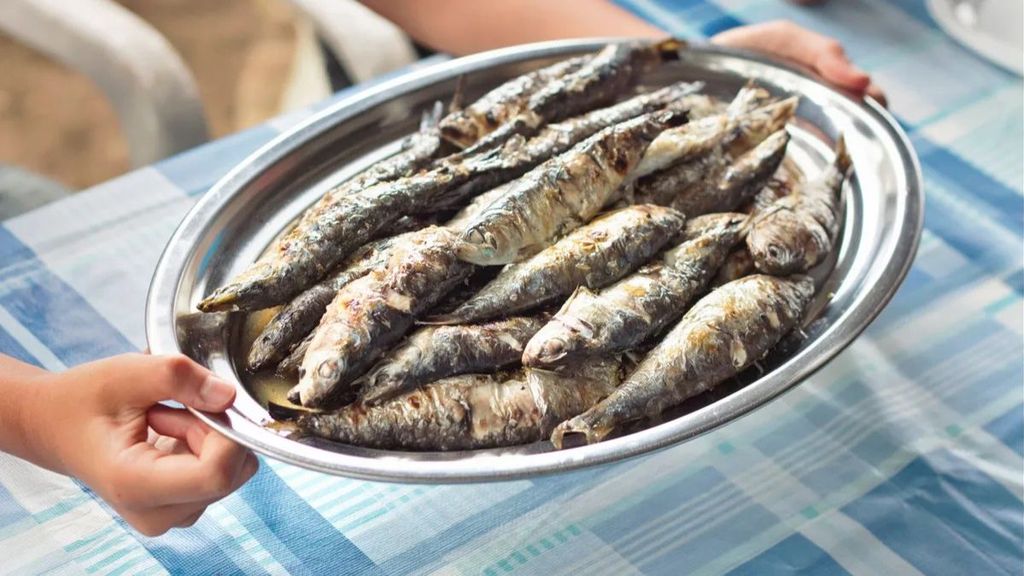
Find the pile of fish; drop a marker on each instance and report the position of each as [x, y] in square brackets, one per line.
[564, 257]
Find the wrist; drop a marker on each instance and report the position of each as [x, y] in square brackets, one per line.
[27, 412]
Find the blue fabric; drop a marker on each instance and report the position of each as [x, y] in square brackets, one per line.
[905, 454]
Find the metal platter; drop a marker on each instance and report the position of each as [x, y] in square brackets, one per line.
[236, 220]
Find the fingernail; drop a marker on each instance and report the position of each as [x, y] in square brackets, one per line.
[216, 392]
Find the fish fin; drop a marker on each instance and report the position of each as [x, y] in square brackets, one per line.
[842, 161]
[449, 319]
[222, 300]
[283, 413]
[458, 101]
[430, 118]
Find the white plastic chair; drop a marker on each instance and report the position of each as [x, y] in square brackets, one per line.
[152, 91]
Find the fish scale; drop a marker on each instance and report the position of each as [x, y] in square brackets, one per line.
[599, 253]
[624, 315]
[722, 334]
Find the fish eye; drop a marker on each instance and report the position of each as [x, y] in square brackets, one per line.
[491, 240]
[553, 349]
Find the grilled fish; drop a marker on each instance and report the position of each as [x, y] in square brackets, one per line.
[371, 313]
[599, 253]
[606, 76]
[435, 352]
[738, 264]
[298, 318]
[796, 232]
[724, 332]
[692, 182]
[329, 233]
[739, 182]
[518, 155]
[289, 366]
[471, 411]
[496, 107]
[313, 249]
[562, 193]
[624, 315]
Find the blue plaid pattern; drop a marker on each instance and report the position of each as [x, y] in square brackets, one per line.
[905, 455]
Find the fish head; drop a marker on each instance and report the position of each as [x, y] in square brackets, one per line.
[318, 376]
[567, 336]
[485, 246]
[545, 351]
[779, 248]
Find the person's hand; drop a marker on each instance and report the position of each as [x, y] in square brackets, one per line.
[158, 467]
[820, 53]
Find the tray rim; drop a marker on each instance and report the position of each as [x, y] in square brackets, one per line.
[504, 467]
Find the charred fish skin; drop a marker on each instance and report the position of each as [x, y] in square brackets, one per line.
[335, 233]
[417, 152]
[610, 73]
[738, 264]
[739, 182]
[724, 333]
[329, 232]
[298, 318]
[469, 412]
[290, 365]
[498, 106]
[713, 184]
[690, 141]
[742, 129]
[562, 193]
[369, 315]
[435, 352]
[595, 255]
[519, 155]
[624, 315]
[796, 232]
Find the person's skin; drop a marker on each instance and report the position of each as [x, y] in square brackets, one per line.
[466, 26]
[158, 467]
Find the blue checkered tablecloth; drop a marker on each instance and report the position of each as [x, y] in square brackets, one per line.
[904, 456]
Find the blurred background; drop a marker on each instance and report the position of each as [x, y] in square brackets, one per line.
[249, 60]
[80, 102]
[240, 52]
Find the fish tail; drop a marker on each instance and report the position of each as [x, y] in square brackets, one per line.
[284, 413]
[223, 300]
[458, 100]
[669, 48]
[842, 161]
[670, 117]
[576, 432]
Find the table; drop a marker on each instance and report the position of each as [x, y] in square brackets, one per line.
[905, 455]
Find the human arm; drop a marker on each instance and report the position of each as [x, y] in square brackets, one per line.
[100, 422]
[465, 26]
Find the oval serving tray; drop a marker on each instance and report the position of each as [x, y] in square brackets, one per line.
[236, 220]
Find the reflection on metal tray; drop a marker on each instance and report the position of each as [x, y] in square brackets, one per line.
[236, 220]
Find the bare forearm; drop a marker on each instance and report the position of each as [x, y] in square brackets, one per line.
[466, 26]
[17, 391]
